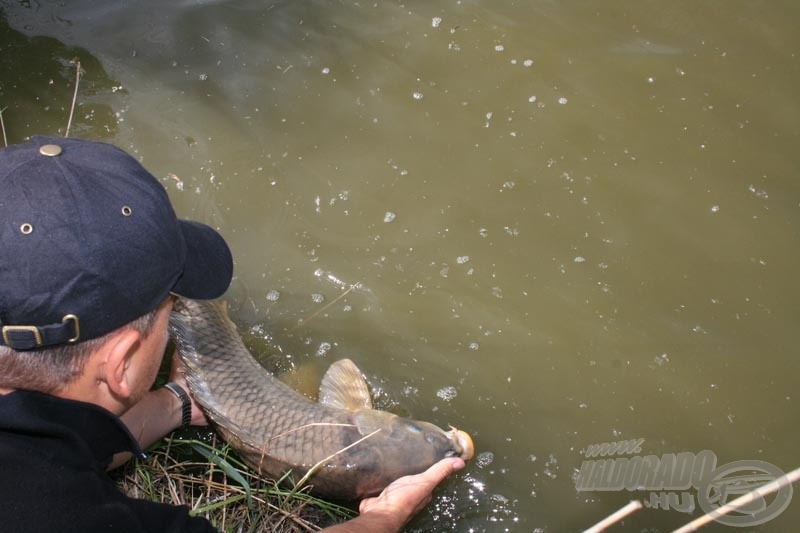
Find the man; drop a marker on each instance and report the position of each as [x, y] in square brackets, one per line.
[91, 253]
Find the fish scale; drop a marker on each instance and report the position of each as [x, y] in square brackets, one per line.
[358, 450]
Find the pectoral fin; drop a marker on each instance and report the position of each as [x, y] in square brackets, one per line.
[344, 387]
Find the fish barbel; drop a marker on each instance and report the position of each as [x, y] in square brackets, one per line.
[352, 450]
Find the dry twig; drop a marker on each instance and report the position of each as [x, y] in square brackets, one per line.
[304, 321]
[3, 127]
[612, 519]
[742, 501]
[74, 95]
[319, 465]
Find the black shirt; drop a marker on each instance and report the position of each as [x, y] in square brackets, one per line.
[53, 456]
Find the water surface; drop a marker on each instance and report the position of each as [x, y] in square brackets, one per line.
[550, 224]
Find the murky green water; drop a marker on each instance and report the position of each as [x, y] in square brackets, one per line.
[566, 223]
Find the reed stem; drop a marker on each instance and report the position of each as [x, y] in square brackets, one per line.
[742, 501]
[74, 95]
[612, 519]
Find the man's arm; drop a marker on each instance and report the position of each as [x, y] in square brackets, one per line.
[399, 502]
[156, 414]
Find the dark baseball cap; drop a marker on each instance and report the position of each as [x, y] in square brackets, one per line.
[90, 242]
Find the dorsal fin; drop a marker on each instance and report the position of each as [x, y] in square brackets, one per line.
[344, 387]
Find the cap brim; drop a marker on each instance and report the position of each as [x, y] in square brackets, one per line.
[208, 268]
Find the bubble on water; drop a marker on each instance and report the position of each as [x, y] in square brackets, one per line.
[499, 48]
[562, 100]
[447, 393]
[532, 99]
[715, 209]
[759, 193]
[651, 80]
[389, 217]
[476, 484]
[203, 77]
[483, 232]
[498, 498]
[417, 95]
[318, 298]
[435, 21]
[484, 459]
[273, 295]
[259, 330]
[326, 70]
[580, 259]
[474, 346]
[323, 349]
[528, 62]
[509, 185]
[680, 72]
[661, 360]
[497, 292]
[462, 259]
[551, 467]
[410, 391]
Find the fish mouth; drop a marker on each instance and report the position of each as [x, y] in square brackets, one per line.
[462, 443]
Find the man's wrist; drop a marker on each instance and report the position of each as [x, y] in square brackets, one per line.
[185, 402]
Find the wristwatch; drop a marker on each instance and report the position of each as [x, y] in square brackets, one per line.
[186, 402]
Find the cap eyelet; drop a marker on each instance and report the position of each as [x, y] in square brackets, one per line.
[50, 150]
[26, 229]
[126, 211]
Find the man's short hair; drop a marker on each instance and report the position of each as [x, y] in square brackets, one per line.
[50, 369]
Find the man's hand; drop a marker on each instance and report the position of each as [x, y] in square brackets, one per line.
[178, 375]
[400, 501]
[410, 494]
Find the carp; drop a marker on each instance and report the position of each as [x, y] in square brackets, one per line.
[351, 450]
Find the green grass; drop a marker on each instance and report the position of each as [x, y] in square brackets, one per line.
[214, 483]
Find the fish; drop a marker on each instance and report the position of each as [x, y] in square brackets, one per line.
[340, 446]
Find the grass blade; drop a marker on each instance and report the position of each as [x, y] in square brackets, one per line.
[226, 467]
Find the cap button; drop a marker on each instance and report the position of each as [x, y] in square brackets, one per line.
[50, 150]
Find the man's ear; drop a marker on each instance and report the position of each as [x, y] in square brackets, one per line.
[119, 354]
